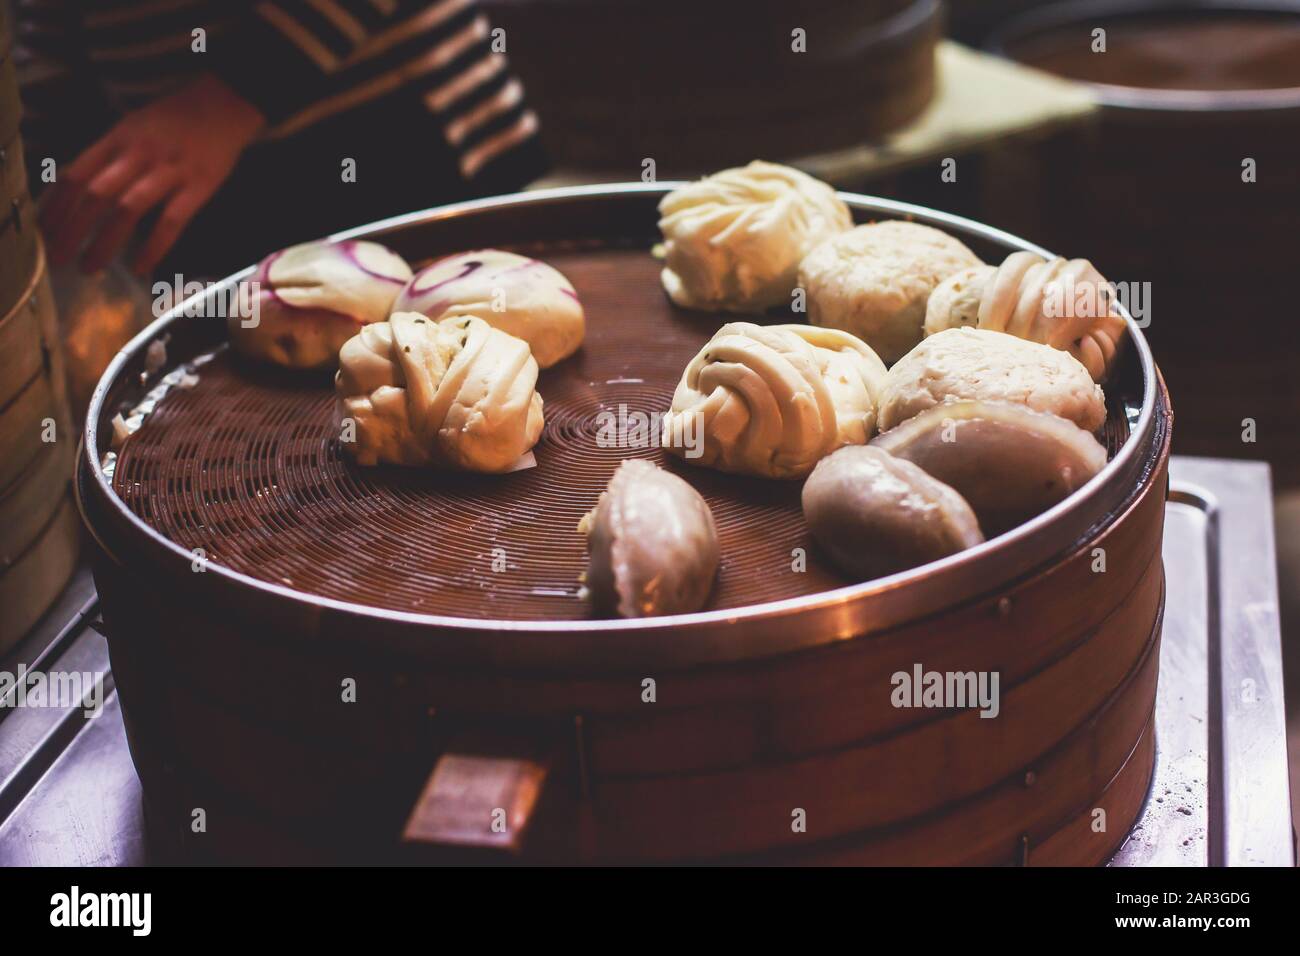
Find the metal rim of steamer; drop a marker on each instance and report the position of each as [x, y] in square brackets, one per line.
[730, 634]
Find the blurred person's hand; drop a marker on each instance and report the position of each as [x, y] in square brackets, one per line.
[171, 155]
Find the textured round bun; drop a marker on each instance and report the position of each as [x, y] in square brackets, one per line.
[875, 514]
[520, 296]
[874, 281]
[966, 363]
[956, 300]
[733, 240]
[652, 543]
[312, 298]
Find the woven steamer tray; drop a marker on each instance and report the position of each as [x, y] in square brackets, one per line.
[317, 569]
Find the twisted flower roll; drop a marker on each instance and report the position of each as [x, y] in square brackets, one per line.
[1062, 303]
[733, 240]
[457, 393]
[773, 400]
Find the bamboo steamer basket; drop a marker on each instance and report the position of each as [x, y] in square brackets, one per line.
[478, 693]
[39, 534]
[18, 233]
[695, 86]
[39, 530]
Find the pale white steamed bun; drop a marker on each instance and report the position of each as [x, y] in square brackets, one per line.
[733, 240]
[875, 280]
[967, 363]
[456, 393]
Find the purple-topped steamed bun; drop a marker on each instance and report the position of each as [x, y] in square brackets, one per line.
[304, 302]
[523, 297]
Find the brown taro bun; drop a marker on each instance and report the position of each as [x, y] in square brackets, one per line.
[652, 544]
[875, 514]
[1009, 462]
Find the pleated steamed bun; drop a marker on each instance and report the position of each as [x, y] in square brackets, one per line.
[773, 400]
[313, 297]
[733, 240]
[456, 393]
[875, 280]
[524, 297]
[1062, 303]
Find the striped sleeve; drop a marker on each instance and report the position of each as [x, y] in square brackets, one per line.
[285, 54]
[301, 61]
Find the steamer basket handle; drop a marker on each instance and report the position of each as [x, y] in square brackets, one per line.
[481, 798]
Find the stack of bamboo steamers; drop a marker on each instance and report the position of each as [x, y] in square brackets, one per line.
[38, 523]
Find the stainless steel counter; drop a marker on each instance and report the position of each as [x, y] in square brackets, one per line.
[69, 794]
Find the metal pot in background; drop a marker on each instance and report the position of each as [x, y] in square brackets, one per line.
[1196, 96]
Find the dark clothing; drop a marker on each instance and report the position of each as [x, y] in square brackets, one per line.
[410, 90]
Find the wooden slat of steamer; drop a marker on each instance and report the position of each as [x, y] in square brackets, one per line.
[34, 580]
[946, 758]
[29, 335]
[1079, 842]
[664, 740]
[13, 170]
[791, 705]
[27, 506]
[987, 832]
[19, 246]
[23, 427]
[982, 830]
[837, 708]
[11, 109]
[950, 758]
[249, 839]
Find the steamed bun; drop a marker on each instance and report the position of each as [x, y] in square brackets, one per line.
[956, 300]
[733, 240]
[875, 514]
[1008, 461]
[524, 297]
[457, 393]
[313, 297]
[967, 363]
[1064, 304]
[653, 547]
[773, 400]
[875, 280]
